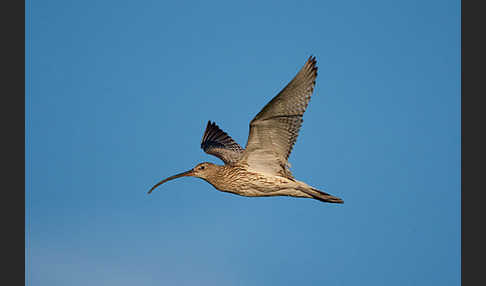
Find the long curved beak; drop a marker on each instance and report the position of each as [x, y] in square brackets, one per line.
[184, 174]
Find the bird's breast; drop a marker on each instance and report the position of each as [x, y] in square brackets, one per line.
[246, 183]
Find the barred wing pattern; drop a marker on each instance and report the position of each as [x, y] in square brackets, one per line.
[216, 142]
[275, 128]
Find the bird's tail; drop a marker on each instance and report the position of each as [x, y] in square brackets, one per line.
[321, 196]
[325, 197]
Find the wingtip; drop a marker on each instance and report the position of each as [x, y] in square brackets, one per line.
[312, 59]
[212, 129]
[312, 65]
[205, 132]
[212, 124]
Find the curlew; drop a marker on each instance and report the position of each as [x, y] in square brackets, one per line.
[262, 168]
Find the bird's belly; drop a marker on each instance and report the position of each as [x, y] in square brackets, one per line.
[259, 186]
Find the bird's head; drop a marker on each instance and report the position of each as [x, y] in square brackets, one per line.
[203, 170]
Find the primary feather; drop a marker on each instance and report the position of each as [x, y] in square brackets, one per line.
[218, 143]
[275, 128]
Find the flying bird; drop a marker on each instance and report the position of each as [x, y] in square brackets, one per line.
[261, 169]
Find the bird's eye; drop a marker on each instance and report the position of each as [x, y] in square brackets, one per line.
[201, 168]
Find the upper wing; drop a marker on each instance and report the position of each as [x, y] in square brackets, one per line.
[216, 142]
[275, 128]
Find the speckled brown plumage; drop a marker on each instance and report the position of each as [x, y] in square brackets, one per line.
[262, 168]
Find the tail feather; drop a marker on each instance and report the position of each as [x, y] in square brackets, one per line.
[323, 197]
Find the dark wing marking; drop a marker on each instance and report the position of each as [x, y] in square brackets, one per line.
[216, 142]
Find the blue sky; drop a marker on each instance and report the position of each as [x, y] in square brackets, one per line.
[120, 93]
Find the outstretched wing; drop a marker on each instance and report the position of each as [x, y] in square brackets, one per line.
[275, 128]
[216, 142]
